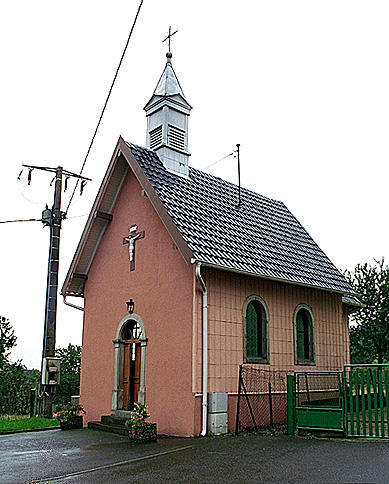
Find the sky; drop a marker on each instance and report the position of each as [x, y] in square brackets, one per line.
[301, 85]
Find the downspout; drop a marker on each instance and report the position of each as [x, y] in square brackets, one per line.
[205, 350]
[70, 304]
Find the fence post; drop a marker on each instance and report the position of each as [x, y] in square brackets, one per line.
[249, 405]
[32, 402]
[291, 403]
[238, 403]
[307, 387]
[270, 406]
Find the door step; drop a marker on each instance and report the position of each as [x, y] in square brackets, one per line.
[110, 423]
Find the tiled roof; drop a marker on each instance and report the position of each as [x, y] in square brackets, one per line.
[352, 301]
[261, 236]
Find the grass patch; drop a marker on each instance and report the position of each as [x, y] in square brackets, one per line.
[27, 423]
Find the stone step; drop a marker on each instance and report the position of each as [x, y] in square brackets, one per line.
[114, 429]
[113, 420]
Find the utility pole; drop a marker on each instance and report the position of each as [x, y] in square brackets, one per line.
[53, 218]
[47, 391]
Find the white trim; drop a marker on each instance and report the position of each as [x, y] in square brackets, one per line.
[103, 229]
[133, 317]
[117, 392]
[204, 405]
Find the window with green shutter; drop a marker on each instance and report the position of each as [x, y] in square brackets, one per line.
[256, 349]
[304, 337]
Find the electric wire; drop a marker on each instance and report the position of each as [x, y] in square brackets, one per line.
[37, 219]
[105, 105]
[218, 161]
[21, 220]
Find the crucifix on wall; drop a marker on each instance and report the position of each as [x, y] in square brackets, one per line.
[130, 240]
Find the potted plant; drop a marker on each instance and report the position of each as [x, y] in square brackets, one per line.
[138, 428]
[70, 416]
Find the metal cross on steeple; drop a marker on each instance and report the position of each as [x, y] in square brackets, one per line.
[169, 36]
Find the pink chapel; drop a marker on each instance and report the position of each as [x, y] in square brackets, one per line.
[182, 284]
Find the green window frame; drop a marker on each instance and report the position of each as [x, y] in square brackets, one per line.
[304, 336]
[256, 337]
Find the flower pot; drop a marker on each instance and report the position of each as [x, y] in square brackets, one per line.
[144, 432]
[75, 422]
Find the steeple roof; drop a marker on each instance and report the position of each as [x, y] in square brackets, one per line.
[168, 85]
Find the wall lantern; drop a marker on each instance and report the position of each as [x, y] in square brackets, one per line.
[130, 306]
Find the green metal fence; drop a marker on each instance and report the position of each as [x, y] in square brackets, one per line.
[353, 401]
[366, 400]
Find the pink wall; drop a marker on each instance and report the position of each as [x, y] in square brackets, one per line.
[162, 289]
[227, 293]
[169, 303]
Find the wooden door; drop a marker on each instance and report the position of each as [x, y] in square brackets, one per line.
[131, 373]
[135, 374]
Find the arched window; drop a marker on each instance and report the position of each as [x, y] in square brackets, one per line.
[131, 330]
[304, 336]
[255, 316]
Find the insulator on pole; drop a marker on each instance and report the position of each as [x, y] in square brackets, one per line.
[82, 185]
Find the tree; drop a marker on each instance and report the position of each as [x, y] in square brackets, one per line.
[70, 373]
[15, 380]
[7, 340]
[15, 387]
[369, 331]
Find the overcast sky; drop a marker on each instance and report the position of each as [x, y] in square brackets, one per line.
[302, 85]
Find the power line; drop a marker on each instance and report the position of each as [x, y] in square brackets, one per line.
[38, 219]
[218, 161]
[105, 105]
[21, 220]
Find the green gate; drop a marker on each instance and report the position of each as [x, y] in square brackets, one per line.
[353, 401]
[319, 400]
[366, 400]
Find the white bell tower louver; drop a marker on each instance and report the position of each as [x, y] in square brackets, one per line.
[167, 115]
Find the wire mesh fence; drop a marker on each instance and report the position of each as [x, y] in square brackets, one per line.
[321, 389]
[16, 402]
[262, 398]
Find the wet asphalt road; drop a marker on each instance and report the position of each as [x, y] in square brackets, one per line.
[109, 458]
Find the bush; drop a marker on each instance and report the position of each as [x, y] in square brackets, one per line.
[70, 416]
[15, 388]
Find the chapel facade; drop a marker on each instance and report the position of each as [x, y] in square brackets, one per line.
[182, 285]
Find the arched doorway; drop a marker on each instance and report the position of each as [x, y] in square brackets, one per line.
[130, 364]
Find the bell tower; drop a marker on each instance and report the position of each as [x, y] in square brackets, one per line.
[167, 115]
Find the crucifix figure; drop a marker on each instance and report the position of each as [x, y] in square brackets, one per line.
[169, 36]
[130, 240]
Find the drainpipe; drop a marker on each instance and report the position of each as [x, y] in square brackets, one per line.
[205, 350]
[70, 304]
